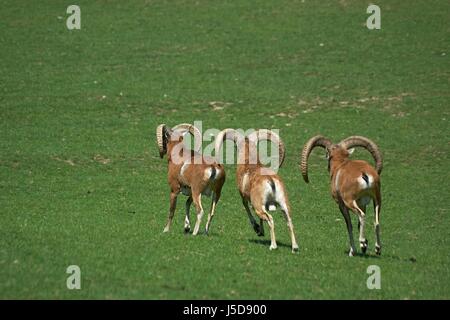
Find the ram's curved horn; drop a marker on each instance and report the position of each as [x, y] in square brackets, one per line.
[265, 134]
[161, 139]
[369, 145]
[187, 127]
[316, 141]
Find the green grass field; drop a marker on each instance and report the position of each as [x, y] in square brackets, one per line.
[81, 181]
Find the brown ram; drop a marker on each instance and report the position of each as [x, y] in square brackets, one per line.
[189, 172]
[259, 185]
[354, 183]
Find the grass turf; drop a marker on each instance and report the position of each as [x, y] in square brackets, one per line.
[81, 181]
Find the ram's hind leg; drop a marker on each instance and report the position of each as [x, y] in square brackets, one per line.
[173, 205]
[361, 212]
[261, 228]
[348, 222]
[197, 197]
[287, 216]
[377, 207]
[259, 231]
[267, 217]
[215, 198]
[187, 221]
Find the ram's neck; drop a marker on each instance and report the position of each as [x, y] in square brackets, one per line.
[335, 164]
[175, 149]
[248, 154]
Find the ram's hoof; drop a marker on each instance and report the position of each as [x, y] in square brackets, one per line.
[378, 250]
[363, 245]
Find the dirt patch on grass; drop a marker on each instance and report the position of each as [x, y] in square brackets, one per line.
[390, 104]
[67, 161]
[101, 159]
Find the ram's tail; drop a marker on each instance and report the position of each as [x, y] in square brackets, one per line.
[214, 172]
[365, 181]
[270, 196]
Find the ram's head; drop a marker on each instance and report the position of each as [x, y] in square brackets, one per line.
[342, 149]
[165, 135]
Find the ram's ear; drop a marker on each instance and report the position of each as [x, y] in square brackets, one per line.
[351, 150]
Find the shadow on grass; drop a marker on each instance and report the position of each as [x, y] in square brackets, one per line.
[266, 242]
[365, 255]
[386, 256]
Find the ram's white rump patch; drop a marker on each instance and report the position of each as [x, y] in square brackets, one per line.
[365, 185]
[208, 173]
[274, 198]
